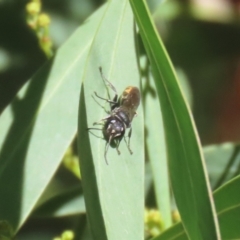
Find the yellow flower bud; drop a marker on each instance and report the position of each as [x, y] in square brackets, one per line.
[43, 20]
[33, 8]
[68, 235]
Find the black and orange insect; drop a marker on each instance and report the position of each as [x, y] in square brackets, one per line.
[123, 110]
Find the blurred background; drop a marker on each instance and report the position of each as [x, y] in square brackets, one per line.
[203, 41]
[202, 38]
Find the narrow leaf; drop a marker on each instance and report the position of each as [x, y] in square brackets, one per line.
[39, 125]
[186, 166]
[114, 193]
[157, 153]
[227, 199]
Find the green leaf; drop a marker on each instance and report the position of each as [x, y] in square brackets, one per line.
[156, 150]
[176, 232]
[186, 165]
[39, 125]
[222, 162]
[69, 202]
[227, 199]
[114, 193]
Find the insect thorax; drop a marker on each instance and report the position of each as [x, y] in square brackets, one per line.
[124, 115]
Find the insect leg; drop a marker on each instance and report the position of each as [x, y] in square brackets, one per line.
[98, 123]
[89, 129]
[108, 83]
[94, 129]
[101, 121]
[110, 101]
[114, 101]
[117, 147]
[128, 143]
[100, 105]
[106, 148]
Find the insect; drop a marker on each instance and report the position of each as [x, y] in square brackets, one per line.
[123, 109]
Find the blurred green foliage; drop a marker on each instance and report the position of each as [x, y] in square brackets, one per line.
[20, 55]
[203, 40]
